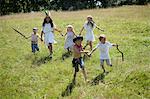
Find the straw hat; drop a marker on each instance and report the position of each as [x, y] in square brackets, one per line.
[69, 26]
[89, 16]
[35, 28]
[103, 35]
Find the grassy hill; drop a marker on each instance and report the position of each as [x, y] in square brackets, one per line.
[24, 75]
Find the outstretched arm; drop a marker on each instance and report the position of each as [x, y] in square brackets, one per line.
[42, 35]
[81, 30]
[99, 28]
[65, 34]
[74, 34]
[28, 37]
[115, 45]
[39, 37]
[58, 31]
[92, 51]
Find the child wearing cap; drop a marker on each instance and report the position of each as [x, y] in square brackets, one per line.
[34, 40]
[48, 31]
[89, 26]
[103, 46]
[69, 38]
[77, 59]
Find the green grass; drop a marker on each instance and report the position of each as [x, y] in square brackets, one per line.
[24, 75]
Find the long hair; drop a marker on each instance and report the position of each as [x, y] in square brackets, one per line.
[72, 29]
[50, 21]
[91, 23]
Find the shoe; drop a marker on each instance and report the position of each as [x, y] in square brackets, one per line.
[87, 81]
[63, 58]
[106, 72]
[50, 56]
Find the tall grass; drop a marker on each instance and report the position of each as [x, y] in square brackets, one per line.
[28, 76]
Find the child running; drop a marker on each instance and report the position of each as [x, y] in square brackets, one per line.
[34, 40]
[69, 38]
[48, 31]
[89, 26]
[77, 60]
[104, 51]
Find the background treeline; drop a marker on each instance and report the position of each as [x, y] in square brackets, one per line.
[16, 6]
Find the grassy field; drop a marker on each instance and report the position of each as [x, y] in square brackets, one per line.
[24, 75]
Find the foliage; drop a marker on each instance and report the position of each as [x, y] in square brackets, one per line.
[16, 6]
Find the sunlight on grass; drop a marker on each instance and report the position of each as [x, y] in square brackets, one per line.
[28, 76]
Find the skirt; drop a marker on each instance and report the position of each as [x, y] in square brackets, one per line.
[49, 38]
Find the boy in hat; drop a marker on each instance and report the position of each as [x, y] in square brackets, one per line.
[77, 60]
[104, 51]
[34, 40]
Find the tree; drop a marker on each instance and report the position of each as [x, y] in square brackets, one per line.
[16, 6]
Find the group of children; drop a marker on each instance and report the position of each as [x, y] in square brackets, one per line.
[73, 43]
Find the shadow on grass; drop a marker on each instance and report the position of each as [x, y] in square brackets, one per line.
[66, 55]
[69, 88]
[41, 61]
[99, 78]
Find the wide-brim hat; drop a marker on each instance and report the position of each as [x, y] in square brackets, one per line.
[69, 26]
[78, 38]
[103, 35]
[89, 16]
[35, 28]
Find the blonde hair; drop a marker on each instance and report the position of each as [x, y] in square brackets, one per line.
[70, 26]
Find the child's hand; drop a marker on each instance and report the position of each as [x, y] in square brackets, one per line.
[85, 51]
[117, 45]
[89, 54]
[102, 30]
[59, 31]
[62, 34]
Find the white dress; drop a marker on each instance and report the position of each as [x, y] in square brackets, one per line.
[69, 40]
[89, 32]
[48, 34]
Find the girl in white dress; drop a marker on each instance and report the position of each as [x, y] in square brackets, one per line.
[69, 38]
[48, 31]
[89, 26]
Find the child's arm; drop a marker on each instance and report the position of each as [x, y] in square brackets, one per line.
[42, 35]
[84, 52]
[115, 45]
[65, 34]
[74, 33]
[92, 51]
[28, 37]
[58, 31]
[81, 30]
[39, 37]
